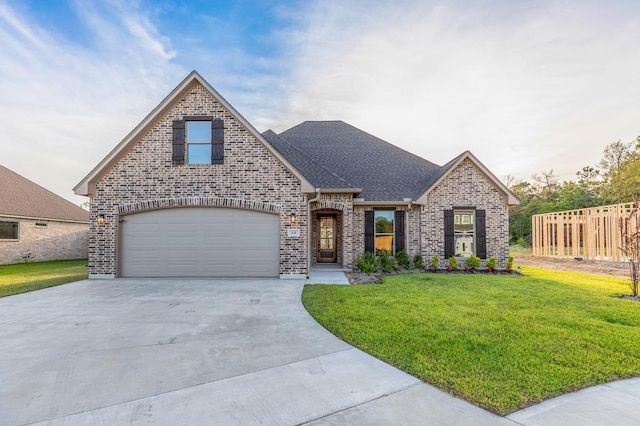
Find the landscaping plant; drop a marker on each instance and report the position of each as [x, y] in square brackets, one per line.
[367, 263]
[387, 263]
[435, 263]
[402, 257]
[473, 262]
[453, 264]
[418, 261]
[492, 264]
[509, 263]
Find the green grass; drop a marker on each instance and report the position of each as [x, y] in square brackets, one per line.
[516, 251]
[25, 277]
[502, 342]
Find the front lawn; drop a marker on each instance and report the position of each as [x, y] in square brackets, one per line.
[24, 277]
[501, 342]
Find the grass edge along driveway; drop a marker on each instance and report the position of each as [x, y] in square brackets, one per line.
[23, 277]
[500, 342]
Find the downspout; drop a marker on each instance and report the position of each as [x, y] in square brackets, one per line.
[313, 200]
[410, 204]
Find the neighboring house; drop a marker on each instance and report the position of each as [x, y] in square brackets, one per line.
[196, 190]
[37, 225]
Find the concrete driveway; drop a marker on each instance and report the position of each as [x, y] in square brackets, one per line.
[196, 352]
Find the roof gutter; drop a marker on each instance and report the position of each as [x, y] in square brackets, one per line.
[53, 219]
[312, 200]
[361, 202]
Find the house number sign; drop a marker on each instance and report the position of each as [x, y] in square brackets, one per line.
[293, 233]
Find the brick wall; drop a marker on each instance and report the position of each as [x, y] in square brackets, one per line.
[55, 241]
[145, 173]
[342, 205]
[465, 186]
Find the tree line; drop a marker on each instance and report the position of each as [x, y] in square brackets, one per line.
[614, 179]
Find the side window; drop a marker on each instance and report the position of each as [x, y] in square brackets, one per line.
[9, 230]
[198, 136]
[384, 230]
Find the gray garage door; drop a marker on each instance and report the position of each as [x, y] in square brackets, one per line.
[199, 242]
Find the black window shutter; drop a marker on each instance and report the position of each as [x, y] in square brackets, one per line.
[399, 232]
[178, 142]
[449, 247]
[369, 237]
[217, 141]
[481, 234]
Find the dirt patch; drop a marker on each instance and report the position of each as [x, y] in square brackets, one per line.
[619, 269]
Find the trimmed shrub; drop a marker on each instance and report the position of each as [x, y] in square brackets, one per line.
[418, 261]
[510, 262]
[473, 262]
[367, 263]
[435, 263]
[402, 257]
[387, 263]
[453, 262]
[492, 263]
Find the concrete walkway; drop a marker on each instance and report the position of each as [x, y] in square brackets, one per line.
[327, 274]
[202, 352]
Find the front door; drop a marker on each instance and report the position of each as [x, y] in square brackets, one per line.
[327, 252]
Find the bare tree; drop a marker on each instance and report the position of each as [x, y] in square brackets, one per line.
[615, 155]
[630, 233]
[510, 181]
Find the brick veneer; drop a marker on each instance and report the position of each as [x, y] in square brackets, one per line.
[342, 204]
[57, 241]
[464, 186]
[145, 175]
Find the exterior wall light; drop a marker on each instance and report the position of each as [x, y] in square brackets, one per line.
[101, 219]
[293, 218]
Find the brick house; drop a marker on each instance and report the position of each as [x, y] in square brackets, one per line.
[196, 190]
[37, 225]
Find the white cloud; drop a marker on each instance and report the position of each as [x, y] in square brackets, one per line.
[543, 85]
[64, 105]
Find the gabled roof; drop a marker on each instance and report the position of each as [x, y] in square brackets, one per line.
[20, 197]
[510, 197]
[87, 185]
[334, 154]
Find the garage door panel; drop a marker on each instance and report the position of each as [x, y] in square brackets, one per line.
[199, 242]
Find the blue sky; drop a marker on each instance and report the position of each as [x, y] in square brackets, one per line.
[527, 86]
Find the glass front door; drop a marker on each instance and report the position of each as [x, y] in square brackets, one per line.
[326, 239]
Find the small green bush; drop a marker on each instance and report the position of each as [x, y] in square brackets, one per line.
[453, 262]
[418, 261]
[402, 257]
[435, 262]
[510, 262]
[492, 263]
[367, 263]
[473, 262]
[387, 263]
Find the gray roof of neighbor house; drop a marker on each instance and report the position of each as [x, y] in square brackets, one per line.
[23, 198]
[334, 154]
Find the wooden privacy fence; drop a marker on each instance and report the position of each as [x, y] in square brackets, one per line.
[592, 233]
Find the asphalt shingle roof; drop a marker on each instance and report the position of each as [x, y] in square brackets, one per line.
[21, 197]
[334, 154]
